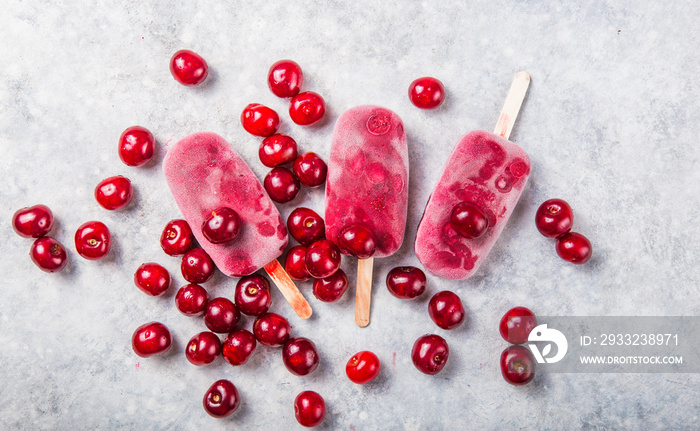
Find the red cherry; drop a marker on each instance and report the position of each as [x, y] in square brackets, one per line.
[197, 267]
[151, 339]
[574, 247]
[114, 193]
[259, 120]
[307, 108]
[222, 226]
[93, 240]
[554, 218]
[309, 409]
[406, 282]
[281, 185]
[285, 78]
[331, 289]
[356, 240]
[426, 93]
[468, 220]
[277, 149]
[136, 146]
[221, 315]
[33, 222]
[430, 353]
[221, 399]
[238, 347]
[322, 259]
[252, 295]
[300, 356]
[177, 238]
[363, 367]
[48, 254]
[152, 279]
[192, 300]
[295, 263]
[517, 365]
[203, 348]
[446, 310]
[517, 324]
[188, 68]
[306, 226]
[310, 169]
[271, 329]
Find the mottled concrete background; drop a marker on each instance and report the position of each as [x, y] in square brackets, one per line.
[610, 124]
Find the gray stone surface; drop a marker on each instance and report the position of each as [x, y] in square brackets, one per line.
[610, 124]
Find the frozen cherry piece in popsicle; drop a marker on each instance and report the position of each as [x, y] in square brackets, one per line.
[485, 170]
[285, 78]
[204, 172]
[32, 222]
[188, 67]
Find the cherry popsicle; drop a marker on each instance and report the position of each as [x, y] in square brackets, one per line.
[367, 190]
[481, 184]
[205, 173]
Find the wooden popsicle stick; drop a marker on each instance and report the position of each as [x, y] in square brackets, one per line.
[363, 291]
[289, 290]
[512, 105]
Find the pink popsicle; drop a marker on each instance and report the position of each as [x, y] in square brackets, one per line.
[368, 176]
[204, 173]
[486, 170]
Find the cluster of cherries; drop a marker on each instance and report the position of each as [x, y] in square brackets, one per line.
[517, 361]
[554, 219]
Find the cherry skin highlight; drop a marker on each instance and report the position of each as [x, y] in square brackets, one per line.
[307, 108]
[309, 409]
[362, 367]
[430, 353]
[281, 184]
[277, 149]
[48, 254]
[295, 263]
[222, 226]
[516, 325]
[285, 78]
[406, 282]
[93, 240]
[300, 356]
[332, 288]
[197, 267]
[239, 347]
[357, 240]
[446, 310]
[252, 295]
[310, 169]
[322, 259]
[114, 193]
[152, 279]
[517, 365]
[151, 339]
[554, 218]
[177, 238]
[221, 399]
[259, 120]
[188, 68]
[221, 315]
[574, 247]
[468, 220]
[136, 146]
[426, 93]
[192, 300]
[271, 329]
[305, 226]
[33, 222]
